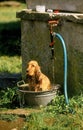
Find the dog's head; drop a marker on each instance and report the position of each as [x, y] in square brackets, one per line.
[33, 68]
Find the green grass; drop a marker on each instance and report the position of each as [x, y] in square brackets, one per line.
[7, 117]
[46, 121]
[8, 14]
[12, 64]
[10, 39]
[56, 116]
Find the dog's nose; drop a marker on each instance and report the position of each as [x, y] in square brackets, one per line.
[27, 70]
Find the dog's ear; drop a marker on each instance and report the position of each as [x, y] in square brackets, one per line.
[37, 71]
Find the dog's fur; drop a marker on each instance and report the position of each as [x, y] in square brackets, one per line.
[36, 79]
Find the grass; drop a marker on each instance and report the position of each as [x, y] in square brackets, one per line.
[58, 119]
[8, 14]
[10, 64]
[45, 121]
[10, 35]
[8, 117]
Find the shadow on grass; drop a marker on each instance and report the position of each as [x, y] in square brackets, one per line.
[10, 45]
[9, 80]
[10, 38]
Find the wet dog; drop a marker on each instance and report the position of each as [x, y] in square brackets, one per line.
[36, 79]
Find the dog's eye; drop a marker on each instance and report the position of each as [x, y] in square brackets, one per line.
[33, 65]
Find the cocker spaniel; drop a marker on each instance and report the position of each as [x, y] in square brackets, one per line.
[36, 79]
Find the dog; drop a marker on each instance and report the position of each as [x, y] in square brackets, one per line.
[36, 79]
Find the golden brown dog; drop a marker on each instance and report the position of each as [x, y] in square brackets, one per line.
[36, 79]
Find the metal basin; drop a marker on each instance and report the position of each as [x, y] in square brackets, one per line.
[32, 98]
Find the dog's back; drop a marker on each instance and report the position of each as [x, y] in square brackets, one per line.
[45, 83]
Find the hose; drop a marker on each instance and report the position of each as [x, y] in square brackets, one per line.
[65, 64]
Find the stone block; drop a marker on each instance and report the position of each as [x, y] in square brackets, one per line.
[35, 40]
[62, 5]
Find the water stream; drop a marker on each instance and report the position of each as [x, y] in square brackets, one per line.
[53, 71]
